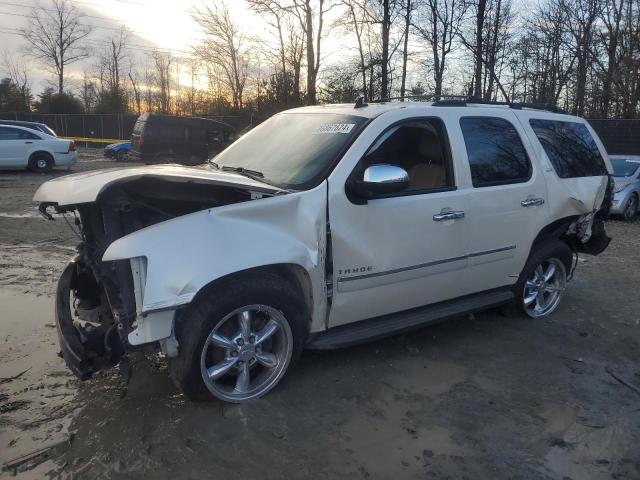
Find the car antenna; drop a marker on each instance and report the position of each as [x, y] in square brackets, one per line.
[360, 102]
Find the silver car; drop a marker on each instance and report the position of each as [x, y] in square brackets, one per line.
[626, 174]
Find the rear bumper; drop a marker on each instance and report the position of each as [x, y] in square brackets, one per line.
[63, 159]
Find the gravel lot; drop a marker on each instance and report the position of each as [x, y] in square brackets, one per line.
[479, 397]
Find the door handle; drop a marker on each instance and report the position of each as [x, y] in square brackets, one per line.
[452, 215]
[532, 202]
[28, 142]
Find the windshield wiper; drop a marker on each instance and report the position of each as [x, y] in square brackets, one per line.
[242, 171]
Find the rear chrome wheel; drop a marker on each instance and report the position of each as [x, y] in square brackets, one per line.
[631, 209]
[247, 353]
[544, 289]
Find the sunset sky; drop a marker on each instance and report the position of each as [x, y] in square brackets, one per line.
[165, 24]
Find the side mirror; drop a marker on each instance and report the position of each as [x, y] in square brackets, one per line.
[381, 179]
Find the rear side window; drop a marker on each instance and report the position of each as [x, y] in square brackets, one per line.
[495, 151]
[16, 134]
[570, 147]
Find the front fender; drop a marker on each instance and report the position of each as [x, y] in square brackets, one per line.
[187, 253]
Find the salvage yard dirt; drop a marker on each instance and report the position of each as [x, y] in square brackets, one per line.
[479, 397]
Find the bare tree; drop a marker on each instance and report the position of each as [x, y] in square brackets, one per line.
[438, 22]
[582, 17]
[137, 95]
[224, 47]
[311, 22]
[272, 11]
[55, 35]
[163, 79]
[17, 70]
[480, 6]
[408, 10]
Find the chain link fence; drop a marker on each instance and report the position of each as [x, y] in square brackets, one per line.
[105, 128]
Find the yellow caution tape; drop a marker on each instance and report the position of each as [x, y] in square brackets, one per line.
[95, 140]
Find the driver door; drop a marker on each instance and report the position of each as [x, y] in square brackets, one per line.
[403, 250]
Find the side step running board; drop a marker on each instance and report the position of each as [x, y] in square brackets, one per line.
[380, 327]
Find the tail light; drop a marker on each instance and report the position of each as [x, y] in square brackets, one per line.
[72, 146]
[141, 140]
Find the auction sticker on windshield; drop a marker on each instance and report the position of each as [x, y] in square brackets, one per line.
[334, 128]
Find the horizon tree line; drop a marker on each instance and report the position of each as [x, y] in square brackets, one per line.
[581, 55]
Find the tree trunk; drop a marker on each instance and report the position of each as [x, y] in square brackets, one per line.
[311, 60]
[386, 20]
[407, 24]
[477, 88]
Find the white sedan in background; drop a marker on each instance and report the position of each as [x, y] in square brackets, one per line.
[24, 148]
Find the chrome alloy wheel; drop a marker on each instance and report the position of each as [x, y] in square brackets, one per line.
[631, 208]
[246, 353]
[544, 289]
[41, 163]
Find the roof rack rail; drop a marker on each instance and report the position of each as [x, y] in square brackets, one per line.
[514, 105]
[463, 101]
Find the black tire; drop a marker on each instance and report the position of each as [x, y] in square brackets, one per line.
[540, 253]
[195, 325]
[631, 208]
[121, 156]
[40, 162]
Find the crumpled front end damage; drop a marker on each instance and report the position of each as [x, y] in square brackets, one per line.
[149, 244]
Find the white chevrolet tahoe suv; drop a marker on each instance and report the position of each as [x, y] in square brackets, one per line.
[324, 227]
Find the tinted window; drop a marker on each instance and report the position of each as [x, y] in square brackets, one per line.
[495, 151]
[15, 134]
[419, 148]
[570, 147]
[623, 167]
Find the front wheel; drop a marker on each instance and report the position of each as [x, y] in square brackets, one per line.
[237, 342]
[543, 280]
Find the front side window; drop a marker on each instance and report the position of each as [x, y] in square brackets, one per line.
[496, 153]
[570, 147]
[419, 147]
[293, 150]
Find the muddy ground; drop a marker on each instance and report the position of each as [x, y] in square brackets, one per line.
[475, 398]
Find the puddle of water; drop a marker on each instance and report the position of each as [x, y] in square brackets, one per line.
[387, 436]
[20, 215]
[37, 403]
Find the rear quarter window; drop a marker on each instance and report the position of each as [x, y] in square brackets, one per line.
[570, 147]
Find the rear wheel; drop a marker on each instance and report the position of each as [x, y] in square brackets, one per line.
[631, 208]
[41, 163]
[237, 342]
[542, 282]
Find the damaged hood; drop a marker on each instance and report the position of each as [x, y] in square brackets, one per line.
[86, 187]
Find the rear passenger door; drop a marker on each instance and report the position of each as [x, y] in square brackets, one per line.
[508, 198]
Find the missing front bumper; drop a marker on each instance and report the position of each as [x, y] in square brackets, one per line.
[84, 348]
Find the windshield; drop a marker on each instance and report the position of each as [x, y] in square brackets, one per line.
[623, 167]
[292, 149]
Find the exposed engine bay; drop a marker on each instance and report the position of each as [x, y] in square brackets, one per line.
[100, 297]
